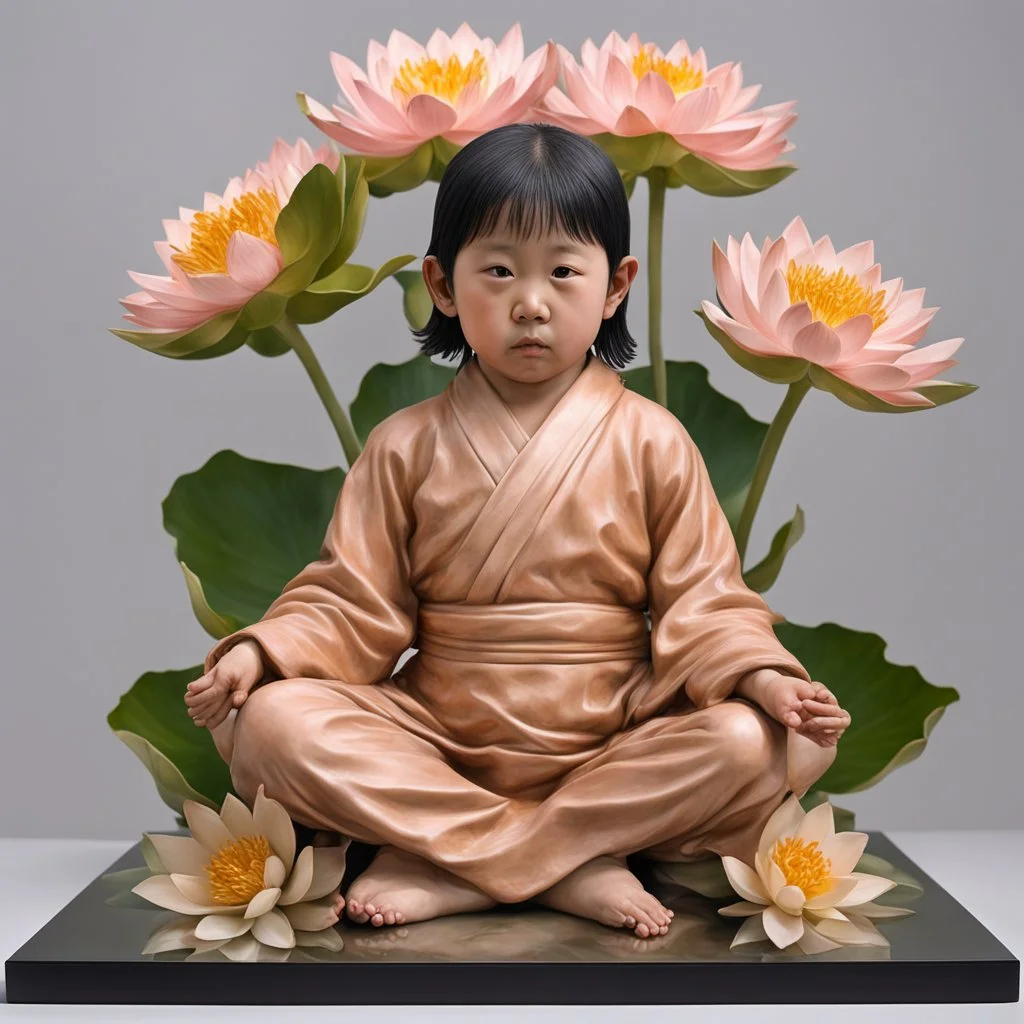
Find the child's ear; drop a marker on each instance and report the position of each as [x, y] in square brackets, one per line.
[437, 286]
[620, 282]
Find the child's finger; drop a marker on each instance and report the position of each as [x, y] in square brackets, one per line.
[820, 724]
[200, 684]
[219, 715]
[205, 702]
[816, 707]
[206, 717]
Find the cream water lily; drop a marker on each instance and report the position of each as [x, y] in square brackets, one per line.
[803, 888]
[239, 873]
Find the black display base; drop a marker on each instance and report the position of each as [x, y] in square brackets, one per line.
[90, 952]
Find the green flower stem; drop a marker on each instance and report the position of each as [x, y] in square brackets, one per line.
[655, 232]
[296, 340]
[766, 458]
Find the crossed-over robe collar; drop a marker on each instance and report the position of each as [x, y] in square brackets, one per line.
[526, 470]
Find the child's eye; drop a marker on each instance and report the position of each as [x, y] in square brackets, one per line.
[498, 267]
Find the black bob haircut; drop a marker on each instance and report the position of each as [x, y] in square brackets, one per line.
[523, 168]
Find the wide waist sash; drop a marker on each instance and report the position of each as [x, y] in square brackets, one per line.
[549, 632]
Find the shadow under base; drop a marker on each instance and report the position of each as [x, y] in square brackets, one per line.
[91, 952]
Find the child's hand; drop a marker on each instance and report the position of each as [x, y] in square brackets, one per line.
[225, 686]
[809, 708]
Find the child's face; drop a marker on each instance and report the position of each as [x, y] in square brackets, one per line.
[549, 286]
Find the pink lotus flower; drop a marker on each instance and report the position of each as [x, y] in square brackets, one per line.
[455, 88]
[829, 315]
[628, 89]
[222, 256]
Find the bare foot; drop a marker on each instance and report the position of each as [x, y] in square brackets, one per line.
[399, 887]
[605, 890]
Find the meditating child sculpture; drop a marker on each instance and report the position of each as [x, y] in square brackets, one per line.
[515, 529]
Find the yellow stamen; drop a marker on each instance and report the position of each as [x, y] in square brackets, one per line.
[236, 870]
[803, 864]
[446, 81]
[683, 77]
[255, 213]
[834, 297]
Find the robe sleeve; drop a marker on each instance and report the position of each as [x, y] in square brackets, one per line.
[351, 614]
[708, 628]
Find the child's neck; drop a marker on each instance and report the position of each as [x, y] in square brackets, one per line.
[533, 399]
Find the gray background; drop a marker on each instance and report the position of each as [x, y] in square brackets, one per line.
[116, 114]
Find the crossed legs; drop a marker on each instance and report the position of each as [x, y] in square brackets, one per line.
[674, 787]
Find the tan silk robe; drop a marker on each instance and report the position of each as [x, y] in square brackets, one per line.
[541, 721]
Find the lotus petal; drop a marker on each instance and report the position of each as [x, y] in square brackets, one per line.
[782, 928]
[744, 880]
[274, 929]
[180, 854]
[299, 881]
[752, 930]
[272, 821]
[742, 909]
[812, 941]
[312, 916]
[216, 927]
[867, 888]
[328, 869]
[262, 902]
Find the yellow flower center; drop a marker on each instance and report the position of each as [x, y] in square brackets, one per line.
[446, 81]
[834, 297]
[236, 870]
[803, 864]
[683, 77]
[252, 212]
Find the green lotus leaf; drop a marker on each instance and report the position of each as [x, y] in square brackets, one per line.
[263, 310]
[268, 342]
[349, 282]
[416, 301]
[639, 153]
[214, 337]
[388, 174]
[714, 180]
[766, 572]
[152, 720]
[444, 150]
[939, 392]
[776, 369]
[307, 230]
[893, 709]
[629, 182]
[386, 388]
[728, 438]
[245, 528]
[355, 195]
[943, 391]
[216, 625]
